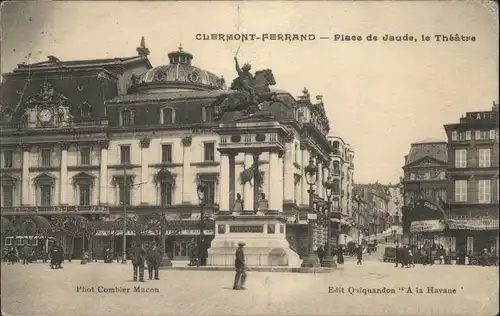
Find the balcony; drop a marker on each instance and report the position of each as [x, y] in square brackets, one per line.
[72, 125]
[54, 210]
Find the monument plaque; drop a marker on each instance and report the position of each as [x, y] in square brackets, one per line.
[246, 229]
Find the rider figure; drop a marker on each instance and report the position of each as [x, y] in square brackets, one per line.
[246, 78]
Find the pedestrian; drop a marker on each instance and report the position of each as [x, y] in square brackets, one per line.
[360, 256]
[154, 259]
[410, 259]
[239, 265]
[138, 261]
[26, 254]
[340, 255]
[321, 253]
[398, 255]
[404, 255]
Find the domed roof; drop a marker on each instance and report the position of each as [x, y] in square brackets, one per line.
[181, 74]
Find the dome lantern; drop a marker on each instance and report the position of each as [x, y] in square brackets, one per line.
[180, 57]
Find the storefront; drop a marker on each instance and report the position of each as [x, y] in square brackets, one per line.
[428, 225]
[474, 235]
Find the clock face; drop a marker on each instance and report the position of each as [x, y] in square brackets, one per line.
[45, 115]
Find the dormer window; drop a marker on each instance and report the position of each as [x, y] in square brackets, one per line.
[85, 109]
[167, 115]
[126, 117]
[208, 113]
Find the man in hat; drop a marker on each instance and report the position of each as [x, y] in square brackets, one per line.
[154, 259]
[138, 261]
[239, 265]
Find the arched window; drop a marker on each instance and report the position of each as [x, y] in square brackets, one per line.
[336, 168]
[167, 115]
[85, 109]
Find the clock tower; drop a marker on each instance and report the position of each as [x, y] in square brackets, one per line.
[47, 108]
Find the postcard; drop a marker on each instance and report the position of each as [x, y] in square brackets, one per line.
[264, 158]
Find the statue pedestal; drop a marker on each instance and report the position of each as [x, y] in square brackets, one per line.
[264, 237]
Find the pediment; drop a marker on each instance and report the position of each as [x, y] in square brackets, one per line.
[164, 175]
[46, 97]
[426, 161]
[7, 179]
[44, 178]
[83, 177]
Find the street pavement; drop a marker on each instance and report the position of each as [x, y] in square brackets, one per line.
[37, 290]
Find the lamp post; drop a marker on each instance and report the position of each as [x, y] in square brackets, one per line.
[311, 171]
[200, 189]
[328, 260]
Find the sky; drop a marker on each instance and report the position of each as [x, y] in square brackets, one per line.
[379, 96]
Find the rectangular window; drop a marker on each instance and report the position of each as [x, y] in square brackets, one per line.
[127, 119]
[208, 113]
[467, 135]
[8, 195]
[484, 191]
[84, 194]
[454, 135]
[167, 116]
[85, 156]
[484, 158]
[8, 158]
[461, 136]
[492, 134]
[124, 155]
[46, 155]
[45, 195]
[166, 153]
[461, 190]
[460, 158]
[166, 193]
[209, 151]
[485, 134]
[209, 193]
[124, 194]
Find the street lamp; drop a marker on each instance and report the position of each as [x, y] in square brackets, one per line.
[328, 260]
[200, 189]
[311, 171]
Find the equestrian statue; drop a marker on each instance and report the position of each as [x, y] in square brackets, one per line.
[251, 92]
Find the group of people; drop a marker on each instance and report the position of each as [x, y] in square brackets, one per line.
[142, 255]
[13, 254]
[337, 252]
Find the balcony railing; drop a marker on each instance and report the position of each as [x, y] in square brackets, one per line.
[94, 209]
[75, 124]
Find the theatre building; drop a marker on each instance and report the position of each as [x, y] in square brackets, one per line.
[112, 138]
[473, 175]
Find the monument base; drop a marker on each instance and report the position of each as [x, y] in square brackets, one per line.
[264, 237]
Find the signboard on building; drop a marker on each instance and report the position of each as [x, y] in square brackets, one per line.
[246, 229]
[434, 225]
[482, 116]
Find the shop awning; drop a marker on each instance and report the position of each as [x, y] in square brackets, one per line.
[473, 224]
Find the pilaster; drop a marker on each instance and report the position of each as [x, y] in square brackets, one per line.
[186, 169]
[25, 177]
[145, 142]
[103, 173]
[289, 186]
[273, 195]
[63, 180]
[304, 186]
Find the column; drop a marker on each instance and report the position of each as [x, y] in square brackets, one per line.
[186, 169]
[280, 182]
[145, 142]
[63, 180]
[25, 193]
[247, 187]
[304, 185]
[319, 184]
[103, 173]
[289, 183]
[224, 183]
[274, 188]
[232, 180]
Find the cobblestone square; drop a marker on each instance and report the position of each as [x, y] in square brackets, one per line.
[37, 290]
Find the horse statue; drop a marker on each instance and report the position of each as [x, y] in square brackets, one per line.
[242, 101]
